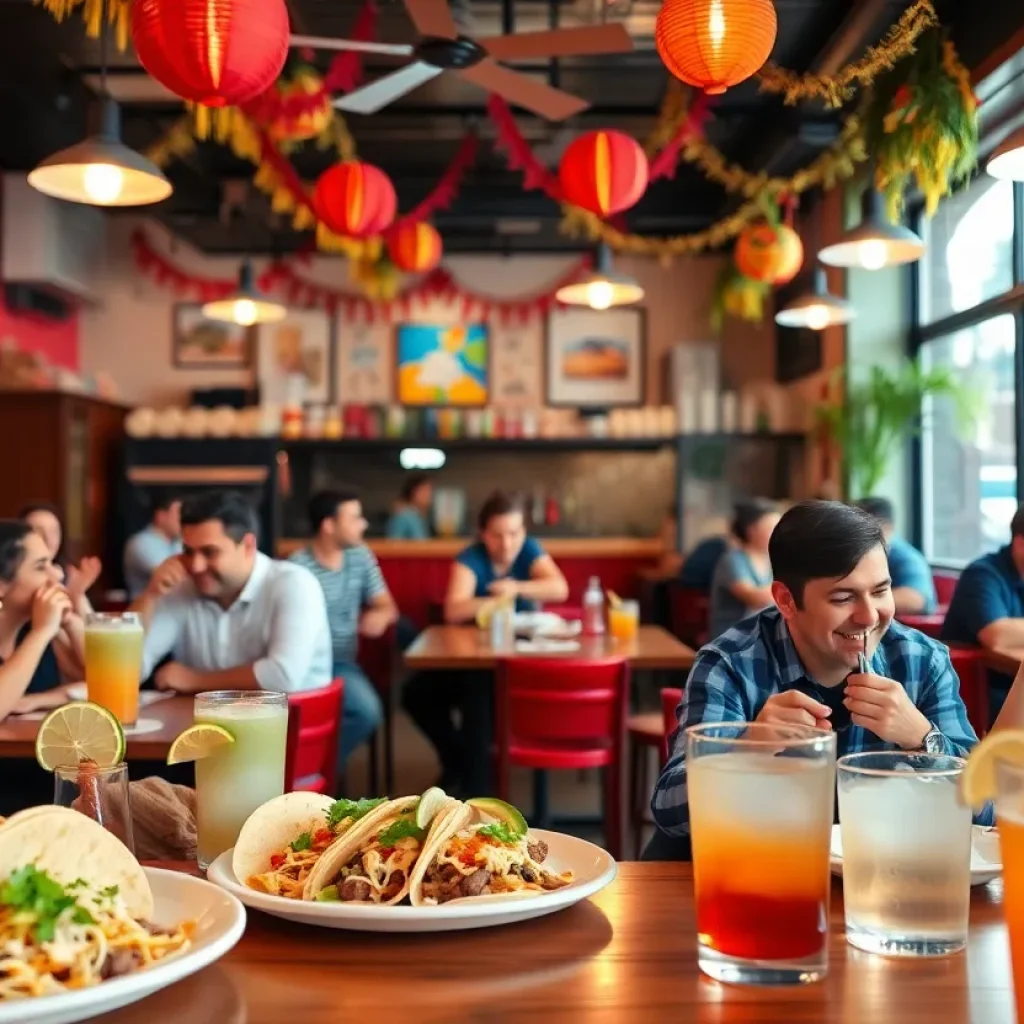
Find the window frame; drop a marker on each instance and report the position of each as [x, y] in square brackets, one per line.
[1011, 302]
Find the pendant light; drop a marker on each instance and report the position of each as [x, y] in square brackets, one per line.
[1007, 162]
[602, 287]
[874, 243]
[815, 309]
[101, 170]
[247, 306]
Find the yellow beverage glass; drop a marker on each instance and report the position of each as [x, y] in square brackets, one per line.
[624, 621]
[1010, 815]
[113, 662]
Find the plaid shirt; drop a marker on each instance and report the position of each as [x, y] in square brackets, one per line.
[734, 675]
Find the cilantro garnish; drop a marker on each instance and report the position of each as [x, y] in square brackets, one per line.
[34, 892]
[354, 809]
[304, 842]
[501, 831]
[400, 828]
[110, 891]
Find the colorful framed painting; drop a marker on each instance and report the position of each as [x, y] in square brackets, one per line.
[595, 358]
[201, 344]
[296, 359]
[442, 365]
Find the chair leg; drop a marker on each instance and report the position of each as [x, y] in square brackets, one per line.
[613, 808]
[636, 782]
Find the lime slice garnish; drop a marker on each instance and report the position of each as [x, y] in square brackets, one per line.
[77, 732]
[198, 741]
[978, 779]
[432, 801]
[496, 808]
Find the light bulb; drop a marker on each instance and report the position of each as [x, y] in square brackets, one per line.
[817, 317]
[599, 295]
[244, 312]
[872, 254]
[103, 183]
[716, 23]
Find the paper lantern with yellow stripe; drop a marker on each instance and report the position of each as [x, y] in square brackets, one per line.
[355, 199]
[415, 247]
[713, 44]
[604, 172]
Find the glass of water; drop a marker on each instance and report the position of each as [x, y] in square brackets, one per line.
[906, 853]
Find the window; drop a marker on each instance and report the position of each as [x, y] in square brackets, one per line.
[969, 471]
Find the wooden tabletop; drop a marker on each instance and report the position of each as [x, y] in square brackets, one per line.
[1005, 659]
[627, 955]
[18, 732]
[466, 647]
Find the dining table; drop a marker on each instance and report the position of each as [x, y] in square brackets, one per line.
[467, 647]
[628, 954]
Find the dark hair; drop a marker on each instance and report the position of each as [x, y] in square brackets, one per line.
[324, 505]
[41, 506]
[160, 500]
[12, 547]
[1017, 523]
[499, 504]
[746, 514]
[818, 540]
[413, 484]
[231, 509]
[880, 508]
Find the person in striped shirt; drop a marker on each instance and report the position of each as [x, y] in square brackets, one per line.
[358, 604]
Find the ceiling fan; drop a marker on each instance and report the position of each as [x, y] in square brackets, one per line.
[442, 48]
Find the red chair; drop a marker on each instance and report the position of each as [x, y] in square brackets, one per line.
[945, 583]
[314, 720]
[930, 625]
[670, 698]
[689, 611]
[376, 657]
[969, 665]
[565, 713]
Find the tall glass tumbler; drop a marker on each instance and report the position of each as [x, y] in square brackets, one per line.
[113, 662]
[761, 800]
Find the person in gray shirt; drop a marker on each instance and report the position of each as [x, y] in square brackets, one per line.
[152, 546]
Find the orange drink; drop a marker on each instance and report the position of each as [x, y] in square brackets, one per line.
[113, 662]
[761, 802]
[1010, 814]
[623, 621]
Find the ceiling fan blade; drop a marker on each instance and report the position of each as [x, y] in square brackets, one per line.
[523, 91]
[383, 91]
[432, 18]
[560, 42]
[357, 45]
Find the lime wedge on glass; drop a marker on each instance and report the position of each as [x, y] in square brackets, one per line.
[978, 779]
[198, 741]
[77, 732]
[433, 800]
[496, 808]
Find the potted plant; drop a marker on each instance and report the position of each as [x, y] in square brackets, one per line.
[882, 411]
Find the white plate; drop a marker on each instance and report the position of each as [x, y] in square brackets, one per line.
[592, 869]
[78, 691]
[986, 861]
[220, 921]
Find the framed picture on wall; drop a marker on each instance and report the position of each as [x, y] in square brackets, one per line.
[295, 364]
[596, 357]
[442, 365]
[201, 344]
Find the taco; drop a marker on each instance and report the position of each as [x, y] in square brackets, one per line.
[374, 863]
[282, 840]
[470, 858]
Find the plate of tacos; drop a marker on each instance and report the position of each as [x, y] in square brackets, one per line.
[416, 863]
[85, 929]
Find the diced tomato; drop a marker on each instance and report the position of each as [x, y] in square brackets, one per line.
[276, 860]
[322, 835]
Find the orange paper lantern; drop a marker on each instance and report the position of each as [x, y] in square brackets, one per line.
[713, 44]
[355, 199]
[216, 52]
[415, 247]
[299, 109]
[604, 172]
[770, 254]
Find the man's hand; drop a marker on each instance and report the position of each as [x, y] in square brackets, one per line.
[793, 707]
[167, 576]
[50, 604]
[81, 577]
[374, 622]
[882, 706]
[504, 588]
[178, 678]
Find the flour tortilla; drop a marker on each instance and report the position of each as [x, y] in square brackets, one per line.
[68, 846]
[457, 818]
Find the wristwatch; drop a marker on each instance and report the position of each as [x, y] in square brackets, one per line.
[934, 742]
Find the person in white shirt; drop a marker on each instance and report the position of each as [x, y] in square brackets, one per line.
[159, 541]
[233, 618]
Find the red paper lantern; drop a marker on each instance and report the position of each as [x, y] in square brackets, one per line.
[604, 172]
[355, 199]
[415, 247]
[770, 254]
[714, 44]
[216, 52]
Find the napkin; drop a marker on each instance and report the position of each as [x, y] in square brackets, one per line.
[163, 820]
[546, 646]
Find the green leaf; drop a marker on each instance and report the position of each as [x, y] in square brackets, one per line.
[354, 809]
[400, 828]
[501, 831]
[304, 842]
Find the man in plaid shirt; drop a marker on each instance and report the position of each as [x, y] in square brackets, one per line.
[788, 664]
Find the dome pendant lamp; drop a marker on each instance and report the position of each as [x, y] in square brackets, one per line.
[874, 243]
[247, 306]
[602, 287]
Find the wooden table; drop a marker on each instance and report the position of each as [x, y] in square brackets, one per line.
[18, 732]
[466, 647]
[626, 956]
[1004, 659]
